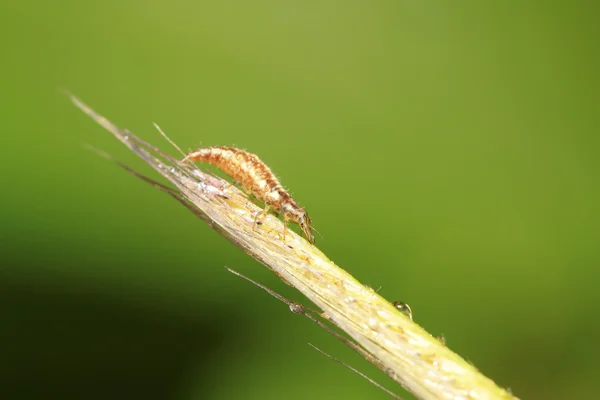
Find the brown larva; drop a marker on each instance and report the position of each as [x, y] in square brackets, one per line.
[256, 178]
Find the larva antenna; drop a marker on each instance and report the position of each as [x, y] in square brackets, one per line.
[315, 229]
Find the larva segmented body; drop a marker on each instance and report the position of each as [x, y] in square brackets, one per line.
[256, 178]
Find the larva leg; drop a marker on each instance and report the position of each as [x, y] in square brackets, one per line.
[261, 214]
[285, 224]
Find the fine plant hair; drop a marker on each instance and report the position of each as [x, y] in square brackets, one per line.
[389, 339]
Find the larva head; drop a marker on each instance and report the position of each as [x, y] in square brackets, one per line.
[293, 212]
[306, 227]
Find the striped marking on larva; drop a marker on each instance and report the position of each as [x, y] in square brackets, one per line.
[256, 178]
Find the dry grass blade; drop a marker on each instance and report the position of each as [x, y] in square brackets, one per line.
[371, 381]
[299, 309]
[410, 355]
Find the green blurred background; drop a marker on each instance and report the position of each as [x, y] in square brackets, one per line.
[448, 154]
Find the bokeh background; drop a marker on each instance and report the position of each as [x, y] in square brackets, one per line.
[447, 152]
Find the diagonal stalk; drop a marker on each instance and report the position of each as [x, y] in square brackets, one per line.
[418, 361]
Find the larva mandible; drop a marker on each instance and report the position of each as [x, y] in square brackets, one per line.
[256, 178]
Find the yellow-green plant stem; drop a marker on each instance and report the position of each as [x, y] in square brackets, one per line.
[418, 361]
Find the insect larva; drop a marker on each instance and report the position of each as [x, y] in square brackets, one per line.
[256, 178]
